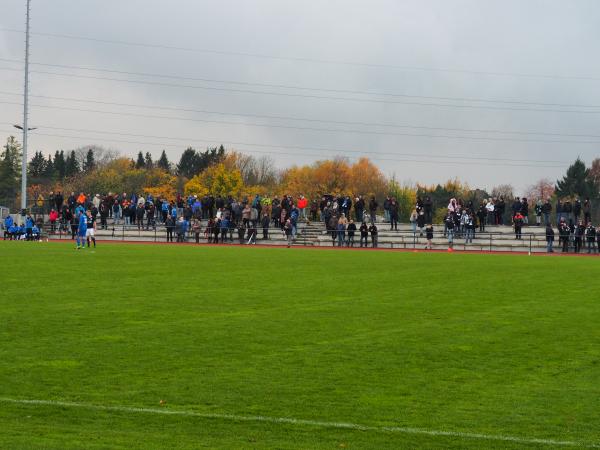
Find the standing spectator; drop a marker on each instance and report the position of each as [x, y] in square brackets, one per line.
[351, 230]
[169, 225]
[549, 238]
[470, 228]
[546, 211]
[587, 211]
[287, 229]
[265, 226]
[302, 204]
[491, 217]
[373, 231]
[421, 222]
[429, 236]
[577, 210]
[58, 201]
[591, 237]
[481, 215]
[579, 236]
[413, 221]
[359, 208]
[246, 213]
[525, 210]
[116, 212]
[373, 205]
[559, 211]
[224, 227]
[341, 230]
[428, 209]
[196, 229]
[563, 235]
[314, 208]
[393, 212]
[103, 215]
[500, 209]
[208, 231]
[53, 218]
[449, 222]
[364, 233]
[515, 208]
[518, 224]
[386, 209]
[538, 212]
[139, 216]
[567, 209]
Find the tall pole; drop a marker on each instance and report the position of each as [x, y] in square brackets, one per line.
[25, 114]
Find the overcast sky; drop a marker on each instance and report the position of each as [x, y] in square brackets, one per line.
[374, 74]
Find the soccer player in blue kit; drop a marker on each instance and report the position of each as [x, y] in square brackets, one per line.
[81, 230]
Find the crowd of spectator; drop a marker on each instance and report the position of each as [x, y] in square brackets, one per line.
[227, 219]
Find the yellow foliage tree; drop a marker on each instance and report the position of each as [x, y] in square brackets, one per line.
[366, 179]
[299, 180]
[216, 180]
[332, 176]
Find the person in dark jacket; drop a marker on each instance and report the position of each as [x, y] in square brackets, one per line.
[373, 205]
[563, 235]
[546, 211]
[364, 234]
[428, 209]
[587, 211]
[421, 222]
[481, 216]
[265, 225]
[500, 209]
[567, 209]
[373, 231]
[429, 236]
[525, 211]
[170, 226]
[576, 210]
[549, 238]
[579, 236]
[351, 230]
[590, 234]
[359, 208]
[393, 212]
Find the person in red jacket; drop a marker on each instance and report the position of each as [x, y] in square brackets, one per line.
[302, 204]
[53, 219]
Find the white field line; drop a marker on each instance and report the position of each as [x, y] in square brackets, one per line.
[291, 421]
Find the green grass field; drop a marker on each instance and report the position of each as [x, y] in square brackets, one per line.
[380, 350]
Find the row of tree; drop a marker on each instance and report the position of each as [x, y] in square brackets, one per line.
[220, 172]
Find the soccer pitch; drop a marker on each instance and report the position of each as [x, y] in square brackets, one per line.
[156, 346]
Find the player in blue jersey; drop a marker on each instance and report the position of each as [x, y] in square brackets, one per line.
[81, 230]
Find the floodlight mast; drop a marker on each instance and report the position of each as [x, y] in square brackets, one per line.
[25, 116]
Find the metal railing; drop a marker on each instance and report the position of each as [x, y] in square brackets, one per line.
[484, 241]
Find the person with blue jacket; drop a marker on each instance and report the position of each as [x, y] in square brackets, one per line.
[81, 231]
[8, 222]
[29, 223]
[35, 233]
[224, 225]
[294, 215]
[13, 232]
